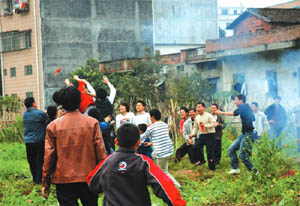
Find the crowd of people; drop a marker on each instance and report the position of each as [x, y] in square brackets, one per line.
[74, 144]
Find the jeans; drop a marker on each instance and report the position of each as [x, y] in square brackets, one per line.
[275, 133]
[209, 140]
[69, 193]
[163, 165]
[35, 158]
[244, 144]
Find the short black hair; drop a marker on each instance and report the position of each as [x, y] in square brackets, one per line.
[142, 102]
[95, 113]
[128, 135]
[216, 105]
[241, 97]
[192, 109]
[155, 113]
[28, 102]
[202, 103]
[70, 98]
[125, 104]
[255, 103]
[185, 109]
[101, 93]
[142, 127]
[277, 97]
[56, 97]
[52, 111]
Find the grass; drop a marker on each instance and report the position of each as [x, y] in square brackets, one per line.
[277, 184]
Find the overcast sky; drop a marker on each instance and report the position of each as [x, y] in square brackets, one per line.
[251, 3]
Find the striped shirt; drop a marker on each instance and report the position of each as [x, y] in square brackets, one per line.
[161, 140]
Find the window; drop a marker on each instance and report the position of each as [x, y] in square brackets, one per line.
[29, 94]
[235, 12]
[238, 81]
[224, 11]
[272, 83]
[5, 72]
[28, 70]
[6, 7]
[180, 68]
[15, 40]
[13, 72]
[213, 82]
[227, 24]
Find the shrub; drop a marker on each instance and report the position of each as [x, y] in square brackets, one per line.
[14, 132]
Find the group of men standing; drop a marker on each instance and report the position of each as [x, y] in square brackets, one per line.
[200, 128]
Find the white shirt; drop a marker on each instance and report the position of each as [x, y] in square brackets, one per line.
[124, 119]
[143, 118]
[261, 123]
[112, 93]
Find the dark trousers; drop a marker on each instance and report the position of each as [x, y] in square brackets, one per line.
[68, 194]
[209, 140]
[35, 158]
[194, 154]
[218, 150]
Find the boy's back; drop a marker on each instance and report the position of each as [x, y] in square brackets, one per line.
[124, 176]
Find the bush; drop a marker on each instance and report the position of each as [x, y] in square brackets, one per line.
[14, 132]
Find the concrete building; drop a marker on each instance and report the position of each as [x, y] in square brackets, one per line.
[261, 60]
[226, 15]
[38, 37]
[183, 24]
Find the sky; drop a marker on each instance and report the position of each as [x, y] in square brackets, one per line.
[251, 3]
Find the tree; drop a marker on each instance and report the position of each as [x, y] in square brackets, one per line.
[188, 89]
[142, 81]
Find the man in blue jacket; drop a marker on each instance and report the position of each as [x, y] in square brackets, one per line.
[34, 137]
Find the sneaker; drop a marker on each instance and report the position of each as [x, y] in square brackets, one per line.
[199, 163]
[234, 171]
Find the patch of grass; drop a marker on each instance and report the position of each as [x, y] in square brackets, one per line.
[278, 182]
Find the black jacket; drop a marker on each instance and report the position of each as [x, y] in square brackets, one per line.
[105, 108]
[123, 177]
[281, 118]
[219, 128]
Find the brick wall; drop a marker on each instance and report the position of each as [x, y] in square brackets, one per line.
[253, 39]
[252, 24]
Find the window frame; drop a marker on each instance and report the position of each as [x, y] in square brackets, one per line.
[26, 69]
[11, 73]
[28, 94]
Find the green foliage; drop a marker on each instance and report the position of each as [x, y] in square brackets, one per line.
[10, 104]
[140, 82]
[12, 132]
[200, 187]
[189, 89]
[90, 72]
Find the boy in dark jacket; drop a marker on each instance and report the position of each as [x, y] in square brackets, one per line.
[145, 148]
[123, 176]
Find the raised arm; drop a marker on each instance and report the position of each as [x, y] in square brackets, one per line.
[112, 90]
